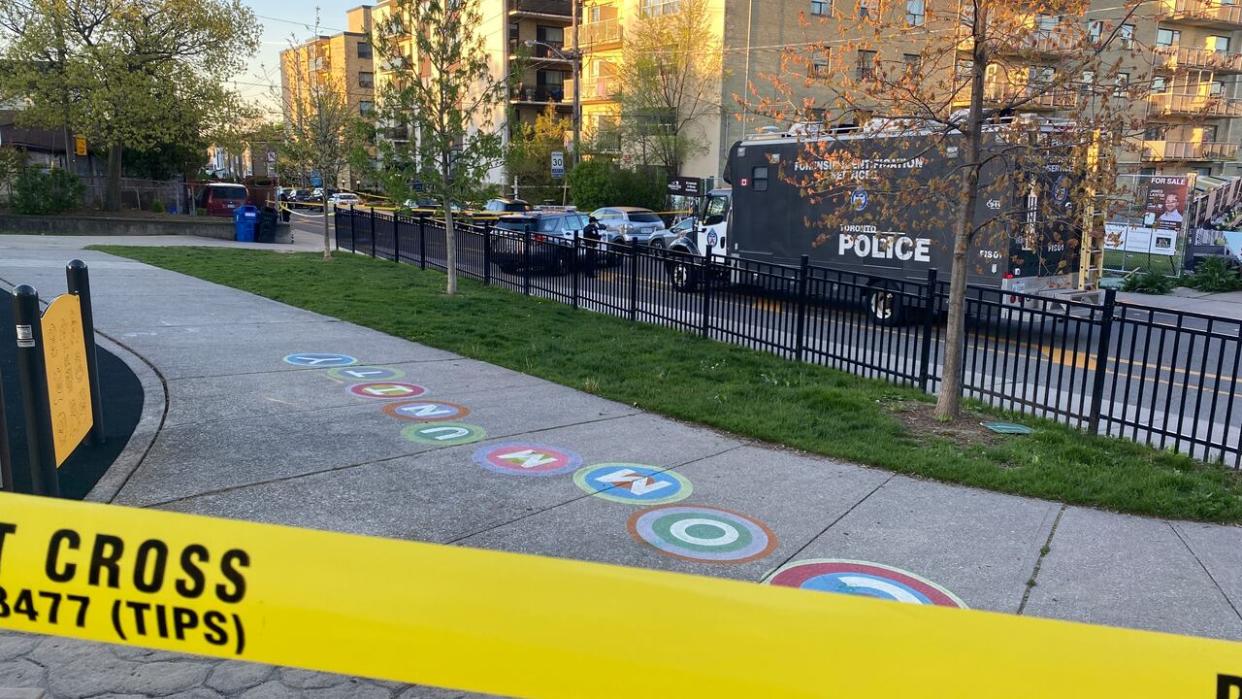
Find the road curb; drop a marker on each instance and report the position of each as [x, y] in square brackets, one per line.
[150, 422]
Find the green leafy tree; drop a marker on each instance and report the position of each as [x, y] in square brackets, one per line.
[529, 155]
[597, 183]
[449, 96]
[129, 74]
[669, 80]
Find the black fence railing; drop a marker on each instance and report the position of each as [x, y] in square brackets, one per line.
[1154, 376]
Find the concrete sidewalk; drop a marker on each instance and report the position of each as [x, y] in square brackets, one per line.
[248, 433]
[1225, 305]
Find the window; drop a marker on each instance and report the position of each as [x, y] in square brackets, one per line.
[654, 8]
[1219, 44]
[866, 65]
[1158, 85]
[1168, 37]
[366, 107]
[364, 49]
[914, 62]
[916, 12]
[1042, 76]
[821, 8]
[759, 178]
[819, 64]
[1154, 133]
[1217, 88]
[366, 79]
[869, 8]
[1123, 82]
[1095, 30]
[1125, 36]
[1087, 80]
[1045, 25]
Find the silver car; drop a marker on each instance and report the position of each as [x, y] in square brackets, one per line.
[624, 224]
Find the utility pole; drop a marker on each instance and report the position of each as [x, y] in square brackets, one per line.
[577, 55]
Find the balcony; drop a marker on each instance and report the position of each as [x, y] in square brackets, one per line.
[1189, 150]
[541, 95]
[1215, 14]
[600, 34]
[1043, 43]
[1174, 58]
[601, 89]
[1202, 106]
[1024, 98]
[541, 9]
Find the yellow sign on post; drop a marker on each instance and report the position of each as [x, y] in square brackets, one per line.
[68, 385]
[79, 145]
[530, 626]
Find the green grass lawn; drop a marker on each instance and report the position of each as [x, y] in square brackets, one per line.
[748, 393]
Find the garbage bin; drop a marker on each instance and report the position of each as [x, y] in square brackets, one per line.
[245, 220]
[267, 225]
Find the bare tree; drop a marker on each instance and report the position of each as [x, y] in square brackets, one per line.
[669, 80]
[960, 87]
[320, 128]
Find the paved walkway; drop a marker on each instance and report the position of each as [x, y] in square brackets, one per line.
[247, 434]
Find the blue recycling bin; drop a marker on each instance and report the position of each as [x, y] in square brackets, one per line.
[245, 221]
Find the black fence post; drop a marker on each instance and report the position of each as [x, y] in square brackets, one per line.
[634, 279]
[372, 232]
[1101, 359]
[32, 375]
[396, 237]
[422, 242]
[487, 254]
[707, 290]
[526, 261]
[804, 271]
[6, 463]
[573, 266]
[929, 315]
[353, 231]
[78, 280]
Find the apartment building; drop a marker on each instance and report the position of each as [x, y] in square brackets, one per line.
[344, 59]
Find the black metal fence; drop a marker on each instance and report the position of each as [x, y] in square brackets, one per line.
[1160, 377]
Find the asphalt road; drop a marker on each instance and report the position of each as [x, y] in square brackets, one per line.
[1170, 380]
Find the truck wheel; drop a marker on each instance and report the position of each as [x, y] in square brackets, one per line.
[683, 275]
[884, 304]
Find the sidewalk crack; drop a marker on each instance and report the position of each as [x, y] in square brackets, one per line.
[1039, 562]
[1211, 577]
[833, 523]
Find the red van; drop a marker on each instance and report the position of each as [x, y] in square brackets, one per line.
[220, 199]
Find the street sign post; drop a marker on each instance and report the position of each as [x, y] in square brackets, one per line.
[558, 164]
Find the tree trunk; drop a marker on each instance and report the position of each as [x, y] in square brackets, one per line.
[949, 402]
[112, 190]
[327, 239]
[450, 243]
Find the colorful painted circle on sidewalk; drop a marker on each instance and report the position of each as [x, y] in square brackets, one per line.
[523, 459]
[865, 579]
[706, 534]
[633, 484]
[444, 434]
[366, 373]
[320, 360]
[427, 410]
[384, 390]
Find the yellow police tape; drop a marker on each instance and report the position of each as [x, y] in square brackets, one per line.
[531, 626]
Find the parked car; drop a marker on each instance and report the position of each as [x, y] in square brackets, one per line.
[344, 199]
[552, 240]
[499, 206]
[683, 228]
[624, 224]
[425, 204]
[221, 198]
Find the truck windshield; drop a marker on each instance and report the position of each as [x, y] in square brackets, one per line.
[715, 209]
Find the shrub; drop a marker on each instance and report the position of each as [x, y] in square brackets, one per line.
[157, 206]
[1147, 282]
[1215, 274]
[598, 182]
[40, 192]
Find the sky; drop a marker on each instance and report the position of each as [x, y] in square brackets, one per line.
[282, 20]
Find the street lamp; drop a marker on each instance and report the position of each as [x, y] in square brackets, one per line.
[574, 55]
